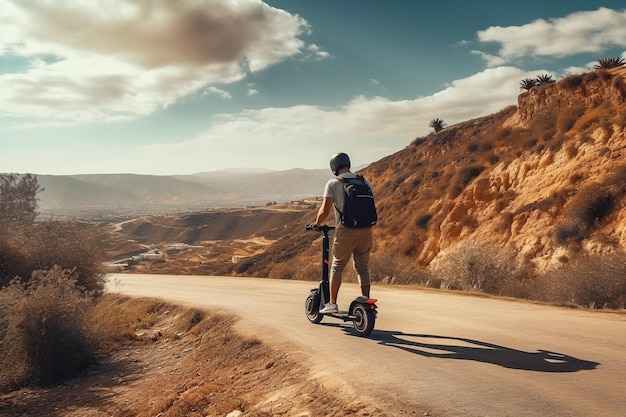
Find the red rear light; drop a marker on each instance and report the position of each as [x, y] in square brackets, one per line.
[371, 301]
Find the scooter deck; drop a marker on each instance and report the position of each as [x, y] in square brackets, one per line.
[343, 315]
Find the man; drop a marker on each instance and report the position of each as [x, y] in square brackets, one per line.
[349, 242]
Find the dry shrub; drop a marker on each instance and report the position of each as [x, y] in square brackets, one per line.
[502, 133]
[462, 178]
[619, 84]
[42, 245]
[297, 269]
[50, 274]
[396, 268]
[520, 136]
[422, 220]
[116, 319]
[572, 81]
[46, 335]
[544, 124]
[589, 206]
[589, 119]
[592, 281]
[567, 117]
[571, 150]
[466, 174]
[483, 268]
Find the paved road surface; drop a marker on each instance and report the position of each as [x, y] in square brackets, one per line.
[453, 355]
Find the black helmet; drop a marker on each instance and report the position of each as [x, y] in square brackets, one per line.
[339, 161]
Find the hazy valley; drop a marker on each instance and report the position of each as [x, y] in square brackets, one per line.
[101, 196]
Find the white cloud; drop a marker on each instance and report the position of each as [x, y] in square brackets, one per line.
[305, 135]
[222, 93]
[317, 52]
[368, 128]
[119, 59]
[492, 60]
[588, 31]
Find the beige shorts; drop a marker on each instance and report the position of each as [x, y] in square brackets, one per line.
[351, 243]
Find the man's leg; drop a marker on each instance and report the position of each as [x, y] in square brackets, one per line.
[336, 273]
[365, 290]
[334, 292]
[361, 260]
[342, 251]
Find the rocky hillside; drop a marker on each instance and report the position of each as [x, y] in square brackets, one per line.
[546, 179]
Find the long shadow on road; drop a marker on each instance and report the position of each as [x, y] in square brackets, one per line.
[450, 347]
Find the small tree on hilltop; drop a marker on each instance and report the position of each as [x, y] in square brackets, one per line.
[544, 79]
[605, 63]
[437, 124]
[528, 83]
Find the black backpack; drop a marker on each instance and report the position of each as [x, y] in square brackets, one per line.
[359, 209]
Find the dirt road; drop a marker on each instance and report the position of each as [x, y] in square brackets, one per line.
[453, 355]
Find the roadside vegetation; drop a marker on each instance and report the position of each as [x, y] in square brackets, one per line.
[596, 282]
[51, 276]
[161, 359]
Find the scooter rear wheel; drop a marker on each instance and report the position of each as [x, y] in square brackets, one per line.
[364, 320]
[312, 308]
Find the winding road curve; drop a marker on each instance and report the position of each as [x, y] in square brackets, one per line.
[449, 354]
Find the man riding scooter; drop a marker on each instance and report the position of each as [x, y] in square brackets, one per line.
[352, 239]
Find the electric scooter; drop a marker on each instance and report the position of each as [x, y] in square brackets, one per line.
[362, 311]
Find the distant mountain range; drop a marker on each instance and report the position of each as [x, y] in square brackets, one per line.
[152, 193]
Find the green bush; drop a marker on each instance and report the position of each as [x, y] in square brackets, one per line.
[46, 335]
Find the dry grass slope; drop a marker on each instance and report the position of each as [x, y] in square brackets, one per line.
[170, 361]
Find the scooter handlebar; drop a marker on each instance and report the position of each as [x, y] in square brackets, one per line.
[323, 228]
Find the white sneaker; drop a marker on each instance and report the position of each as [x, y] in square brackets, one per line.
[329, 308]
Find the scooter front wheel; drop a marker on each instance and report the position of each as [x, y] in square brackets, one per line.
[312, 308]
[364, 320]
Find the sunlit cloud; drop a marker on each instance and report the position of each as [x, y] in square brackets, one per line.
[222, 93]
[317, 52]
[83, 62]
[370, 128]
[588, 31]
[120, 59]
[491, 60]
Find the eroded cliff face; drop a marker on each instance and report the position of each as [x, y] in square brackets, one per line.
[546, 180]
[540, 191]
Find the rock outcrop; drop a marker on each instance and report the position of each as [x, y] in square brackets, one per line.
[546, 179]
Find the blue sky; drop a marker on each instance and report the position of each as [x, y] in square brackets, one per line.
[184, 86]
